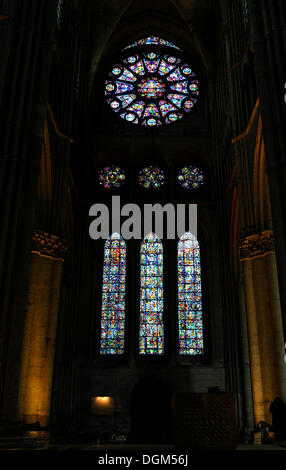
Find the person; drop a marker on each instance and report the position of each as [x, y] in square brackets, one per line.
[264, 429]
[278, 411]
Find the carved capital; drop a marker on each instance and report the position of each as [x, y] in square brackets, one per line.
[49, 245]
[257, 245]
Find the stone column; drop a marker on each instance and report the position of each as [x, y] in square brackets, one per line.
[267, 25]
[265, 329]
[40, 328]
[26, 49]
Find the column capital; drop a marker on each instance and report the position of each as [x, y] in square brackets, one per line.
[49, 245]
[259, 244]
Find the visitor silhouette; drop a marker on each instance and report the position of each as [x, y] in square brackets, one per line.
[278, 411]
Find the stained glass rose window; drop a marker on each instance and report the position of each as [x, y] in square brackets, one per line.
[190, 177]
[151, 177]
[152, 84]
[112, 177]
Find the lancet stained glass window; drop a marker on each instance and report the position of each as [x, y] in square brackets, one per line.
[190, 296]
[151, 334]
[113, 296]
[152, 85]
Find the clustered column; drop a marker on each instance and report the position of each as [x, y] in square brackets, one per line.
[265, 331]
[40, 328]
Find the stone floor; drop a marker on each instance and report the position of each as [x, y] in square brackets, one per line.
[259, 447]
[34, 444]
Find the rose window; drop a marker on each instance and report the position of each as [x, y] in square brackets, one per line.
[152, 84]
[112, 177]
[190, 177]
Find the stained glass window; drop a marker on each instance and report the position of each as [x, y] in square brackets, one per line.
[191, 177]
[151, 335]
[244, 7]
[152, 40]
[152, 86]
[113, 296]
[151, 177]
[59, 13]
[112, 177]
[189, 296]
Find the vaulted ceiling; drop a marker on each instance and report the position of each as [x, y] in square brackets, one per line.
[192, 24]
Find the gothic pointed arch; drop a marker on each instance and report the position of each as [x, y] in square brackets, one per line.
[113, 296]
[190, 322]
[151, 330]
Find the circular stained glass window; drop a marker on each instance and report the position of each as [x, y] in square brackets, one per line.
[152, 84]
[190, 177]
[112, 177]
[151, 177]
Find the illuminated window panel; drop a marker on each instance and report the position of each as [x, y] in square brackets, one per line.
[112, 177]
[151, 177]
[113, 296]
[191, 177]
[59, 13]
[151, 334]
[152, 40]
[153, 86]
[189, 296]
[244, 7]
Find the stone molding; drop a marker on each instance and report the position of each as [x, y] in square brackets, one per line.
[49, 245]
[257, 245]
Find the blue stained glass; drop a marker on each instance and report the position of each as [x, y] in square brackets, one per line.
[109, 87]
[194, 88]
[138, 68]
[191, 177]
[166, 107]
[152, 55]
[128, 76]
[112, 177]
[117, 70]
[188, 104]
[137, 108]
[152, 40]
[151, 87]
[132, 59]
[151, 332]
[189, 296]
[130, 117]
[151, 110]
[176, 99]
[175, 76]
[114, 104]
[59, 13]
[181, 87]
[151, 177]
[165, 68]
[187, 70]
[151, 122]
[113, 296]
[126, 99]
[171, 60]
[151, 65]
[123, 87]
[172, 117]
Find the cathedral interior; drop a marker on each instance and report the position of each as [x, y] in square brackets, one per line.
[149, 339]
